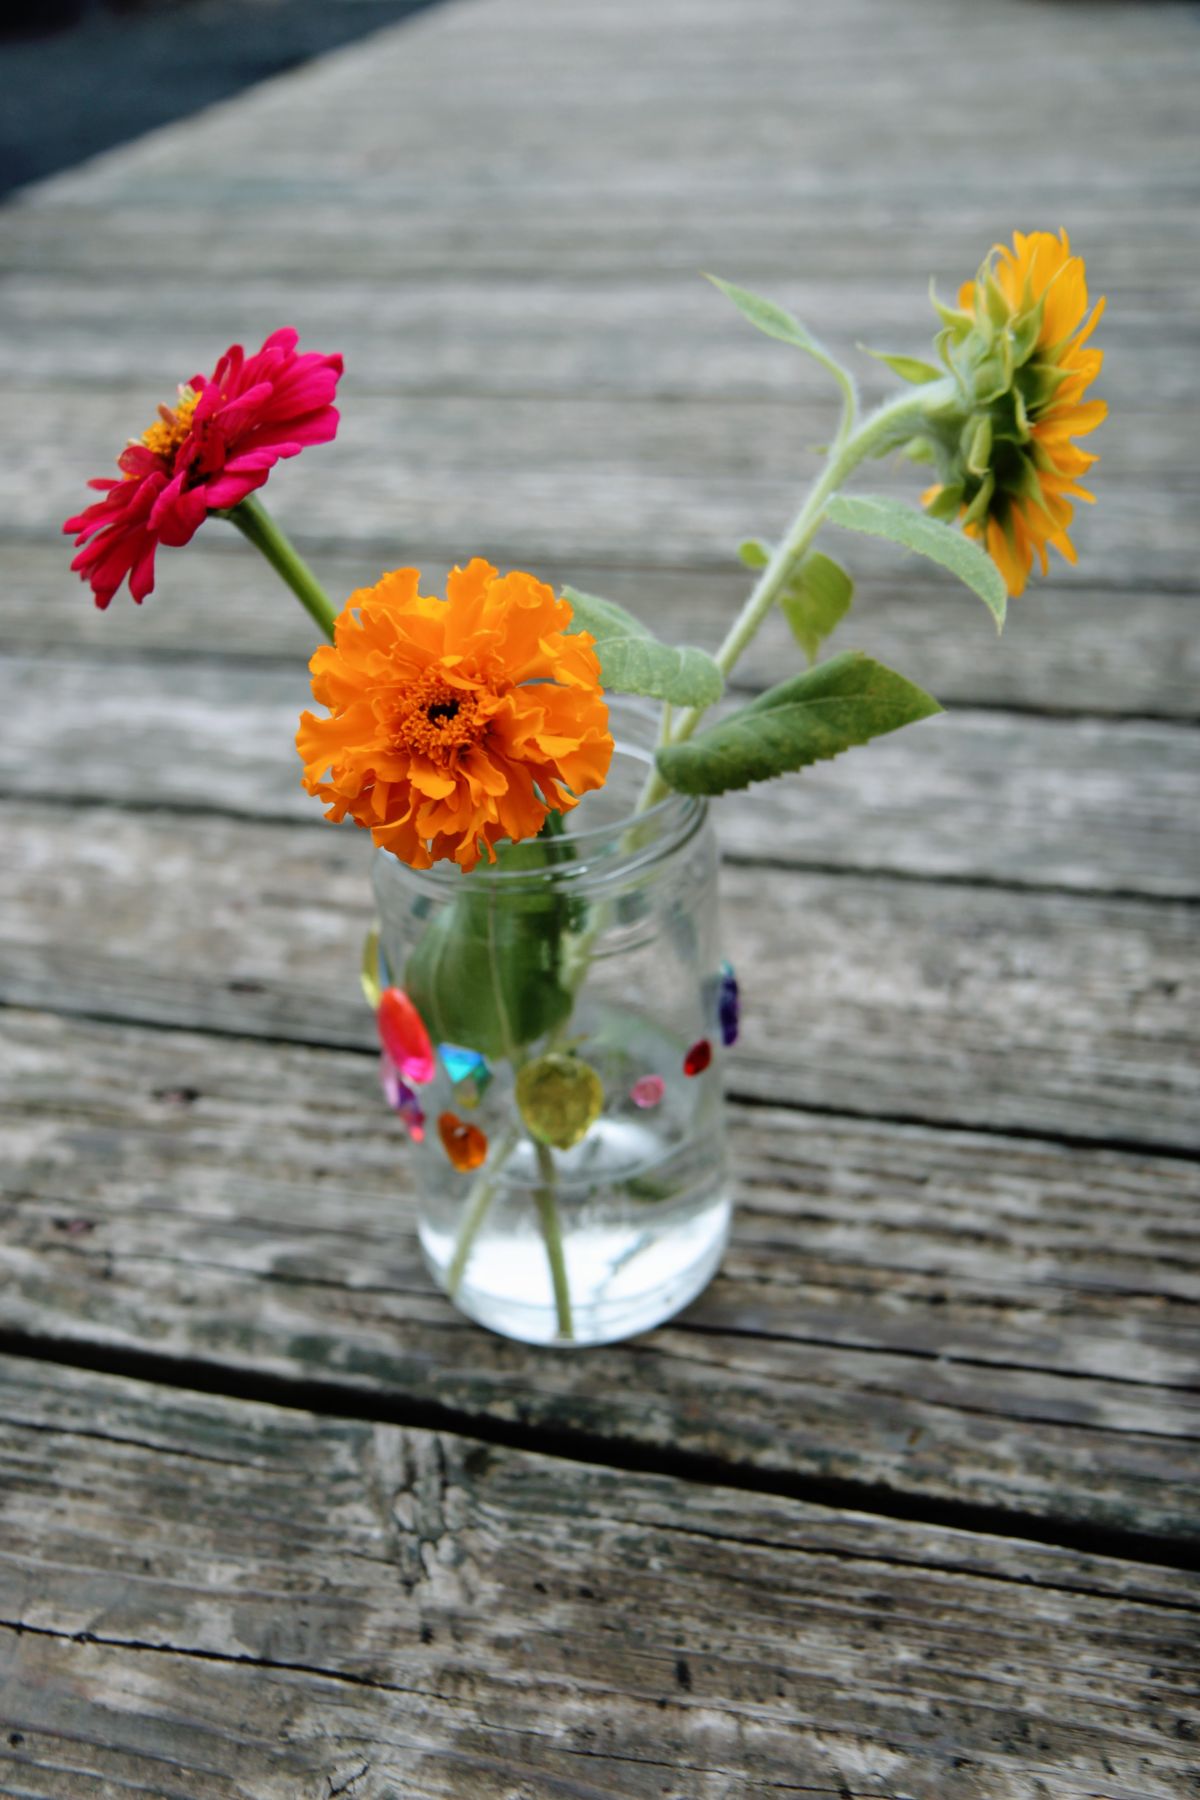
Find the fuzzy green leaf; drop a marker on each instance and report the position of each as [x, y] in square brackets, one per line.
[754, 553]
[845, 701]
[815, 601]
[928, 537]
[633, 661]
[909, 368]
[777, 322]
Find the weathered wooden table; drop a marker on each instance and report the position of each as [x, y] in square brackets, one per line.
[905, 1506]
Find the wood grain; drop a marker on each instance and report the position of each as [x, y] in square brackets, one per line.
[541, 333]
[451, 1618]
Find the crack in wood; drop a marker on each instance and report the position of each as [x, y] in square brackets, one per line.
[571, 1443]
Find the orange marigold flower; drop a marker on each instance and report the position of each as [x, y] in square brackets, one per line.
[1017, 346]
[455, 723]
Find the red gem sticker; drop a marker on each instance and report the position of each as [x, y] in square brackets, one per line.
[403, 1035]
[698, 1057]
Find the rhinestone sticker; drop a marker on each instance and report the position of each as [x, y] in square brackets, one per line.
[465, 1145]
[728, 1005]
[404, 1037]
[559, 1098]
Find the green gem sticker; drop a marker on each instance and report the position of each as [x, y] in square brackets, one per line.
[559, 1099]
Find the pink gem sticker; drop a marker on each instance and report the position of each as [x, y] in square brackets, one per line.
[648, 1091]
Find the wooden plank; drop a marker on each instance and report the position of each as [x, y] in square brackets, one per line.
[1069, 647]
[1093, 805]
[210, 1598]
[584, 480]
[924, 1315]
[660, 338]
[1052, 1014]
[585, 230]
[610, 482]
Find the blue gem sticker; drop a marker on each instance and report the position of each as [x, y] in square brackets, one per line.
[459, 1063]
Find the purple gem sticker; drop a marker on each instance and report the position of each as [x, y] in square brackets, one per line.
[728, 1005]
[401, 1098]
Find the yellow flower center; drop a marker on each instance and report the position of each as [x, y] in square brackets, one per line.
[172, 425]
[435, 719]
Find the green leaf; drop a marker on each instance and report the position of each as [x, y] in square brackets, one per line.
[776, 322]
[815, 601]
[909, 368]
[754, 553]
[845, 701]
[633, 661]
[928, 537]
[946, 504]
[486, 971]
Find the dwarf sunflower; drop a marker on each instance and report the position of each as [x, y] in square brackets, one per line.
[1017, 348]
[455, 723]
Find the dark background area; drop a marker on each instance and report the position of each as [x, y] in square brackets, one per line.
[78, 76]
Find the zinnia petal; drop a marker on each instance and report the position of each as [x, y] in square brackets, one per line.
[205, 454]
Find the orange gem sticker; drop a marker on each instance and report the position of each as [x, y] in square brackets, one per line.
[465, 1145]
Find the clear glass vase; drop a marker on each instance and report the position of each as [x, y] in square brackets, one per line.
[554, 1043]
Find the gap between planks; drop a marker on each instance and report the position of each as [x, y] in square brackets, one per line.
[330, 1399]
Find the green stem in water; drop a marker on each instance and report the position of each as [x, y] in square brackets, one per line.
[552, 1235]
[479, 1201]
[851, 449]
[547, 1205]
[259, 528]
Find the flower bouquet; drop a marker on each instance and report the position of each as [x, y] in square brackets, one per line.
[551, 1000]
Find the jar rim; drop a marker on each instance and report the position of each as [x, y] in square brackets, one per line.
[611, 850]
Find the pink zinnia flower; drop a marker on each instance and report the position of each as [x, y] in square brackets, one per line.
[203, 455]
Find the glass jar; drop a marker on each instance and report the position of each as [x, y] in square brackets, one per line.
[568, 1131]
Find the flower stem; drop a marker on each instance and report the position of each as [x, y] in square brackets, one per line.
[547, 1205]
[259, 528]
[478, 1202]
[552, 1234]
[850, 450]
